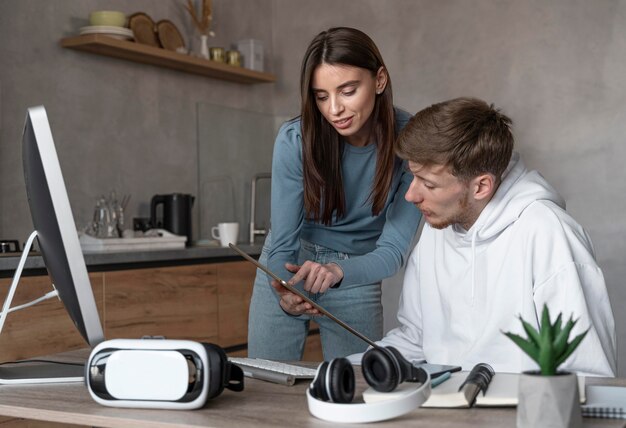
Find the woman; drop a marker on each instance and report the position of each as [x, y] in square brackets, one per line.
[339, 220]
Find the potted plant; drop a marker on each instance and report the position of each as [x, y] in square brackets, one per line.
[548, 397]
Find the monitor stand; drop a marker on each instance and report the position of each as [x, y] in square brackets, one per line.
[26, 372]
[23, 372]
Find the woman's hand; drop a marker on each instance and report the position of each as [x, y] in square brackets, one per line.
[292, 303]
[317, 277]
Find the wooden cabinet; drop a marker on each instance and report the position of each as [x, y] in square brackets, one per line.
[313, 347]
[204, 302]
[44, 328]
[174, 302]
[234, 290]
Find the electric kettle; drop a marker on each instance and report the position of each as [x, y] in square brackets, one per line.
[175, 213]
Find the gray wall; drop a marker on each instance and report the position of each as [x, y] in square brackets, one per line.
[116, 124]
[555, 67]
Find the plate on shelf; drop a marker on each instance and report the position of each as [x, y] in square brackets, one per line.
[144, 29]
[115, 32]
[169, 36]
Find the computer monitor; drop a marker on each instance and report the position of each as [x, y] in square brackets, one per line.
[58, 242]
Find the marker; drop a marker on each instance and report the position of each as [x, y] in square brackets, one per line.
[440, 379]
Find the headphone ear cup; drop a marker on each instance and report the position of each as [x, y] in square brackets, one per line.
[340, 380]
[380, 369]
[334, 381]
[318, 387]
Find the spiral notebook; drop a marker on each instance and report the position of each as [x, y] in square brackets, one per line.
[501, 392]
[605, 402]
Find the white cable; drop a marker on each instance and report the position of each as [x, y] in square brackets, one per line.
[49, 295]
[16, 279]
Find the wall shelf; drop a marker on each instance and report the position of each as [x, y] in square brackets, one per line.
[131, 51]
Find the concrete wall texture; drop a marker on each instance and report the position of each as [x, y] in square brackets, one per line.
[555, 67]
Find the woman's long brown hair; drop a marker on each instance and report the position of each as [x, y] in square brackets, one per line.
[322, 146]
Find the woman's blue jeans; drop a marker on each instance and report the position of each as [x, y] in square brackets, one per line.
[273, 334]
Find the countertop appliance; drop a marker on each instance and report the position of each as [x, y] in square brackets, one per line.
[9, 246]
[175, 213]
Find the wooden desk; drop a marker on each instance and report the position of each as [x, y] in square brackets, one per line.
[260, 404]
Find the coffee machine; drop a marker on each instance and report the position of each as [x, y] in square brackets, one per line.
[175, 213]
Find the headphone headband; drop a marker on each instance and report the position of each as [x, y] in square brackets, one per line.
[409, 398]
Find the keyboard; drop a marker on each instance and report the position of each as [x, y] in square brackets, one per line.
[273, 371]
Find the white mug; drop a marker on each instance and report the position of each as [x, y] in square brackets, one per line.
[226, 233]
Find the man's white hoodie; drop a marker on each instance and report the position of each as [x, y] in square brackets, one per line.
[462, 289]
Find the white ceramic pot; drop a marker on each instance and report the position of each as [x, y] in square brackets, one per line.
[548, 401]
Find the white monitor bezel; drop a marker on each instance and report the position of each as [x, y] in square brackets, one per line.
[37, 119]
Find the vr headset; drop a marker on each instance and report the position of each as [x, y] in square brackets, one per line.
[159, 373]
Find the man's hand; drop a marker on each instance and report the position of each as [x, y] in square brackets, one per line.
[292, 303]
[317, 277]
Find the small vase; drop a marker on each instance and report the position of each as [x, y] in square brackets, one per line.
[548, 401]
[204, 46]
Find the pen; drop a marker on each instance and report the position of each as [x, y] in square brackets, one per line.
[440, 379]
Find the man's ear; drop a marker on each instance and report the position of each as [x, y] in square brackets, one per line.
[483, 187]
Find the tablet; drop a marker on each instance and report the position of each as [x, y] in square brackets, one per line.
[303, 296]
[436, 370]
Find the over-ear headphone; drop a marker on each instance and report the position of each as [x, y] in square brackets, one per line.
[159, 373]
[384, 369]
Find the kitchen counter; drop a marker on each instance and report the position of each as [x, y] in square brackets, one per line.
[198, 293]
[108, 261]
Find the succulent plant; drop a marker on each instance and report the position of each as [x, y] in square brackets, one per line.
[549, 346]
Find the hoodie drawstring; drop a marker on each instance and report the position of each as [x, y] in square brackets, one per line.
[474, 263]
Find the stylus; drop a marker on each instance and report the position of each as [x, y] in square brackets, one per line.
[303, 296]
[440, 379]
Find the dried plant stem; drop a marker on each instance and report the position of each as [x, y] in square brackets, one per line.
[203, 21]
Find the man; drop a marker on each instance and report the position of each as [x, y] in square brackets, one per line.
[497, 244]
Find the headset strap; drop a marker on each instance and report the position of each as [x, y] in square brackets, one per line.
[234, 378]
